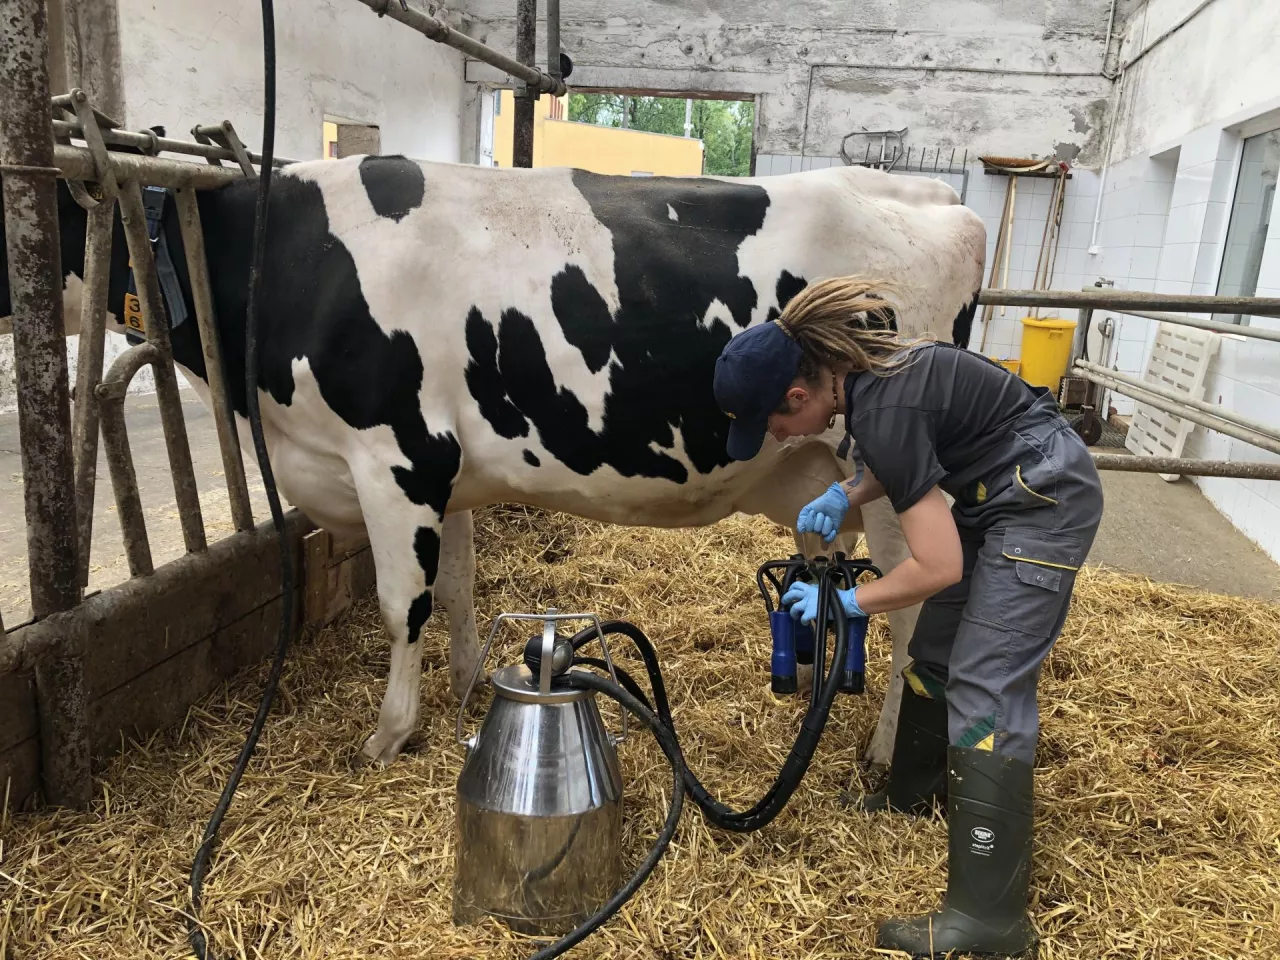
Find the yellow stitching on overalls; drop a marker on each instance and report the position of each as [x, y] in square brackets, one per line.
[1017, 472]
[1041, 563]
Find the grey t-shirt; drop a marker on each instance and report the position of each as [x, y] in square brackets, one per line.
[934, 421]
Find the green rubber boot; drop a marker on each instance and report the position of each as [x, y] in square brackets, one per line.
[984, 913]
[918, 772]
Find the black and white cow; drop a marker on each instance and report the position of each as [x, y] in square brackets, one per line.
[437, 337]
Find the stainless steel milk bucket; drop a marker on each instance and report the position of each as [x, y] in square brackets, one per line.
[539, 819]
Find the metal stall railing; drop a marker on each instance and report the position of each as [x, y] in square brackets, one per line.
[59, 455]
[1211, 416]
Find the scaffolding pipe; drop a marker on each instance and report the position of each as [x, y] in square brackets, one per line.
[526, 50]
[439, 31]
[35, 285]
[1179, 409]
[151, 144]
[553, 38]
[89, 358]
[1188, 467]
[1270, 431]
[76, 163]
[1123, 300]
[186, 494]
[1233, 329]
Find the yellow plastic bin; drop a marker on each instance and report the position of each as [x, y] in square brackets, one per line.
[1009, 363]
[1046, 350]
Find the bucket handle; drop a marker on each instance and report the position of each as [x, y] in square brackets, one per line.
[549, 618]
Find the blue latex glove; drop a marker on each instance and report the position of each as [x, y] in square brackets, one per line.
[824, 515]
[801, 600]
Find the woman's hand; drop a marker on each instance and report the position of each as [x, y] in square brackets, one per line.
[801, 600]
[936, 561]
[824, 515]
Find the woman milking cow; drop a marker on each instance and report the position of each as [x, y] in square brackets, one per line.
[995, 569]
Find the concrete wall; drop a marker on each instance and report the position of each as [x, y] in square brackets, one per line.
[1212, 66]
[1188, 106]
[1014, 77]
[183, 62]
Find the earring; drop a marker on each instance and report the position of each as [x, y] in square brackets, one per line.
[834, 403]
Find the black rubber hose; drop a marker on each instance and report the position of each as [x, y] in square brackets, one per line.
[201, 863]
[667, 740]
[795, 766]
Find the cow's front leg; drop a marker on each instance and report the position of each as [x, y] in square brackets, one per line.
[454, 591]
[404, 538]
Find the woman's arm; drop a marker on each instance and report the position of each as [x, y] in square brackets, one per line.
[936, 560]
[868, 489]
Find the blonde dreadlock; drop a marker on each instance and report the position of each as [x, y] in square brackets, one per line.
[831, 320]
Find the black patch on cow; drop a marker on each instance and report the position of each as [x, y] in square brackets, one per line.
[788, 286]
[962, 326]
[668, 273]
[394, 184]
[313, 307]
[531, 459]
[584, 316]
[485, 382]
[426, 546]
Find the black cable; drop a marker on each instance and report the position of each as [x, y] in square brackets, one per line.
[583, 680]
[761, 813]
[201, 862]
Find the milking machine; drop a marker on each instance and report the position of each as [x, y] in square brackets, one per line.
[539, 798]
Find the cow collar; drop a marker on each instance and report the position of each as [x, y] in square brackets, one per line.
[175, 306]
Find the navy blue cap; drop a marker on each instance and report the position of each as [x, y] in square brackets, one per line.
[753, 373]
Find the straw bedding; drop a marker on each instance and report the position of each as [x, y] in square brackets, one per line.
[1158, 788]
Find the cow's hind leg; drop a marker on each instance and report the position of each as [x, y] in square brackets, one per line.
[454, 591]
[404, 537]
[888, 547]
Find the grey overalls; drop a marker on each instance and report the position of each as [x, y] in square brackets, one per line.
[1027, 520]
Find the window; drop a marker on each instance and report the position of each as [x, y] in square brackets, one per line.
[1250, 219]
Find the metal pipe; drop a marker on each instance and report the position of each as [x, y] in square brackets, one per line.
[186, 493]
[35, 285]
[224, 418]
[1123, 300]
[1268, 430]
[553, 38]
[1217, 326]
[93, 334]
[115, 442]
[1186, 413]
[526, 49]
[154, 144]
[1188, 467]
[76, 163]
[441, 32]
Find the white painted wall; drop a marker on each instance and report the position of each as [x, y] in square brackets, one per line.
[1189, 103]
[188, 62]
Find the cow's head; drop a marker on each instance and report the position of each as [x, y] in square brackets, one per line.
[72, 220]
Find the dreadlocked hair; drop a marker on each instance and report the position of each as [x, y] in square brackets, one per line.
[847, 322]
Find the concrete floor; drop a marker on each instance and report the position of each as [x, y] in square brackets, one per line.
[1166, 531]
[1171, 533]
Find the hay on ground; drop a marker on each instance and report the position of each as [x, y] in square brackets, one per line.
[1158, 788]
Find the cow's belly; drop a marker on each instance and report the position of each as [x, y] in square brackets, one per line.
[493, 473]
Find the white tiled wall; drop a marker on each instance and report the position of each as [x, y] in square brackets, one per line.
[1180, 251]
[985, 194]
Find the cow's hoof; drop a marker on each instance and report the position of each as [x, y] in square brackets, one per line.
[379, 750]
